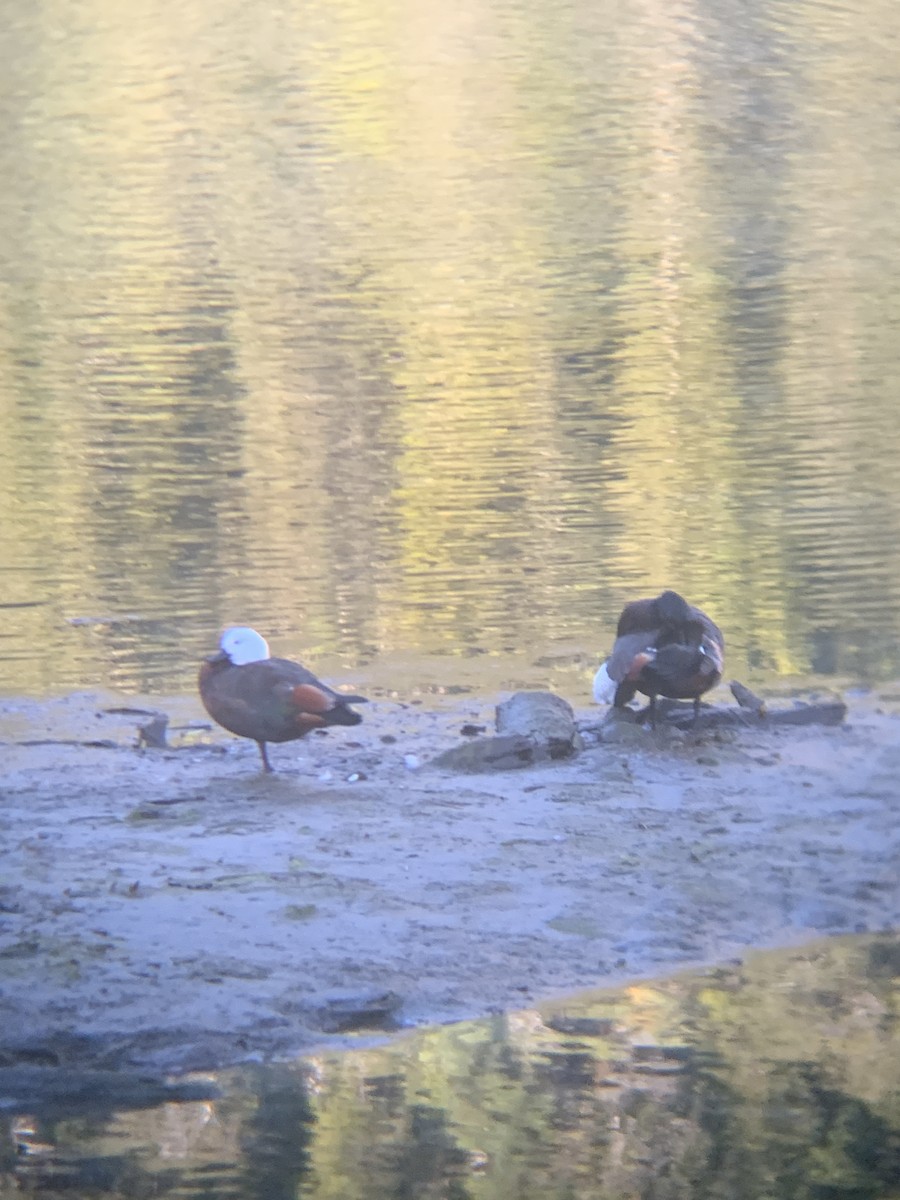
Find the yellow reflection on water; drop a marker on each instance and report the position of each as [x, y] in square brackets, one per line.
[445, 329]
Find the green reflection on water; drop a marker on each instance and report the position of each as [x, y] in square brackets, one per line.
[777, 1077]
[446, 329]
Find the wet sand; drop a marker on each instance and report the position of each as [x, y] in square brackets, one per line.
[175, 908]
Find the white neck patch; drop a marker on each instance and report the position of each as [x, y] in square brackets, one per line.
[604, 686]
[244, 645]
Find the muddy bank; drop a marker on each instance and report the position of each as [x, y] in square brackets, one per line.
[174, 908]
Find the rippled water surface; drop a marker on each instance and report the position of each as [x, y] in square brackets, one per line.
[776, 1078]
[446, 329]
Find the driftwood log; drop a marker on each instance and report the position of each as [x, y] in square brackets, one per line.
[752, 712]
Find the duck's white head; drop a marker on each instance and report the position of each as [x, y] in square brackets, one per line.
[243, 645]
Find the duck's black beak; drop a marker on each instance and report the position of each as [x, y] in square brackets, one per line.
[219, 656]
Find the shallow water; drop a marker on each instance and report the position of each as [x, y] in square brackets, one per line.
[773, 1077]
[446, 330]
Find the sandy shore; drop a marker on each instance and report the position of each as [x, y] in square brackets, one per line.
[175, 908]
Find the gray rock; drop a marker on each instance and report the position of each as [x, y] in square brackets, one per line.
[545, 719]
[532, 727]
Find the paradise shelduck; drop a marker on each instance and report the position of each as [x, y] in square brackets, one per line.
[664, 647]
[264, 698]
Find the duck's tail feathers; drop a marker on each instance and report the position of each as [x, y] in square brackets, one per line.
[341, 715]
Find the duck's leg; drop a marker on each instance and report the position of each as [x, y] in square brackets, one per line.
[696, 711]
[263, 753]
[651, 709]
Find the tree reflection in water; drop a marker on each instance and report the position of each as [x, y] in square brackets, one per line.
[777, 1077]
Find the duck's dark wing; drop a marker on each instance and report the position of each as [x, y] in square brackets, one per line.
[305, 702]
[639, 616]
[274, 700]
[294, 672]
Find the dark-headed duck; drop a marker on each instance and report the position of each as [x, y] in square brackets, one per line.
[267, 699]
[664, 647]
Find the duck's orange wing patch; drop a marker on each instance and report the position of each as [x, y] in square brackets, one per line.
[308, 721]
[309, 704]
[637, 665]
[310, 700]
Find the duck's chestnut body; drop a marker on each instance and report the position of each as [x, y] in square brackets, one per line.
[268, 699]
[664, 647]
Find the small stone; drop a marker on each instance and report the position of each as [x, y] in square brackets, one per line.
[299, 912]
[152, 734]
